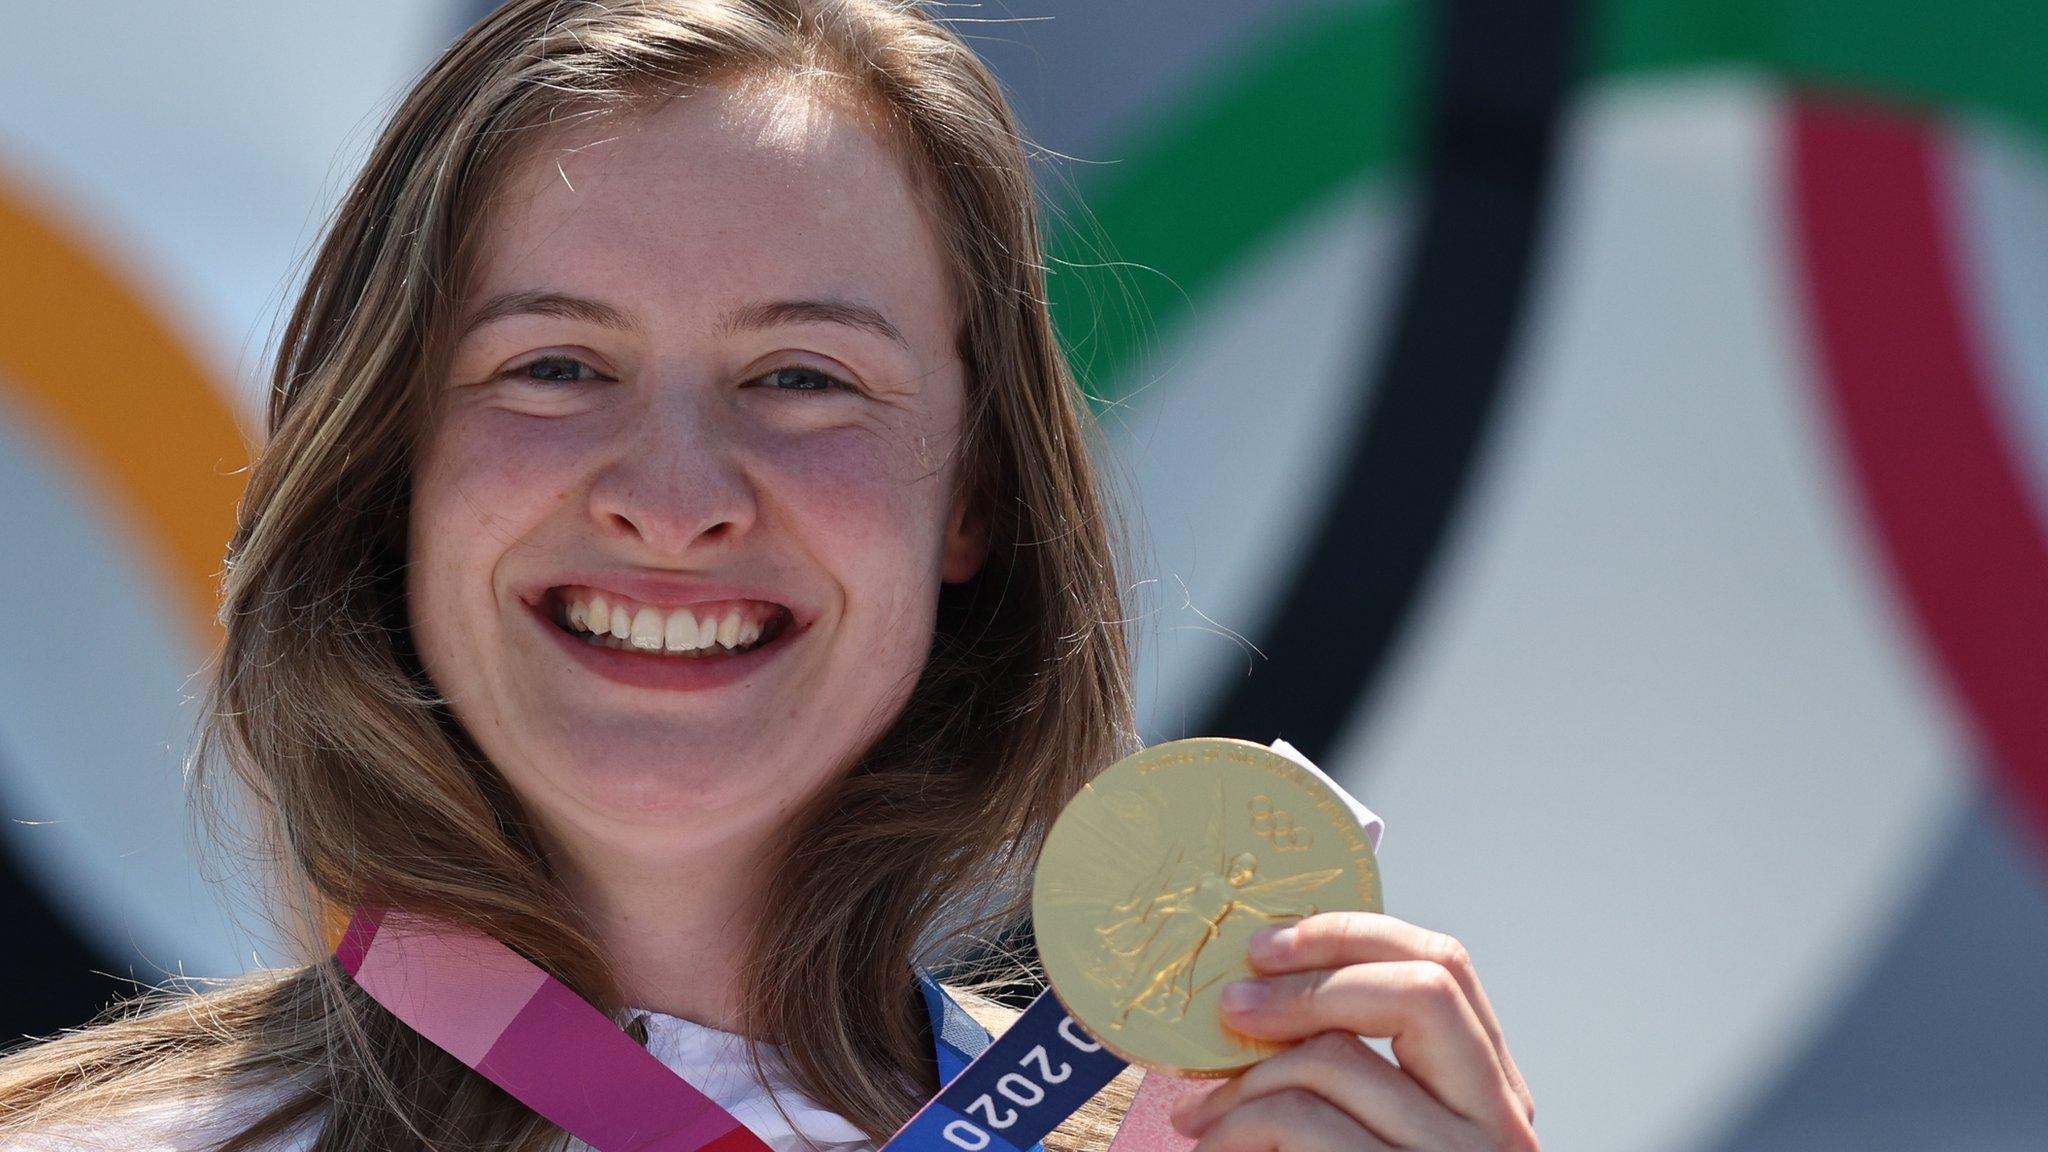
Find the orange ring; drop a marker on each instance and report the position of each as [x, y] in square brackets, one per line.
[127, 398]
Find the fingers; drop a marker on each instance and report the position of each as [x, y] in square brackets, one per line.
[1291, 1120]
[1419, 1005]
[1334, 939]
[1342, 1070]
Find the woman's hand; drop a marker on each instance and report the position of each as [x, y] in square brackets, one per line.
[1329, 979]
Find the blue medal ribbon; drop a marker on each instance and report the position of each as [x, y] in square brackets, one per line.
[1018, 1088]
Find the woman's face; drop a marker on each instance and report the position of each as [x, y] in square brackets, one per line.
[707, 397]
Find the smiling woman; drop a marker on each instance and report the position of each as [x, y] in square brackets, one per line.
[675, 590]
[714, 387]
[646, 570]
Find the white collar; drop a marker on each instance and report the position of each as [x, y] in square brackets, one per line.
[715, 1063]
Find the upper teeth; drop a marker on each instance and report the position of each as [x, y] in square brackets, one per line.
[651, 629]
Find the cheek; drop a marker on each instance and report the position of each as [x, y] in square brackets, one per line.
[871, 512]
[878, 498]
[482, 482]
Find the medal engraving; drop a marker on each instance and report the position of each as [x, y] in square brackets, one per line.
[1156, 876]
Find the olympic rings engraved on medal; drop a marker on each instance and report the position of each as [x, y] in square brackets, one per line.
[1276, 826]
[1019, 1088]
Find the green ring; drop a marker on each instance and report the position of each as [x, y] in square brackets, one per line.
[1328, 103]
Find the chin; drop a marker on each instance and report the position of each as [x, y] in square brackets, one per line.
[645, 785]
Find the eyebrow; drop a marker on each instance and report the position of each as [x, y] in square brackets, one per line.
[557, 304]
[746, 318]
[843, 312]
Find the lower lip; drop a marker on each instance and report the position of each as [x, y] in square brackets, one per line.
[666, 673]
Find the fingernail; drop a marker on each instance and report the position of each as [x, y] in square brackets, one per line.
[1269, 943]
[1240, 995]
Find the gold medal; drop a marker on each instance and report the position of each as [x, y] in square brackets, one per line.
[1156, 875]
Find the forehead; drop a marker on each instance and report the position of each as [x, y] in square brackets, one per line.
[725, 194]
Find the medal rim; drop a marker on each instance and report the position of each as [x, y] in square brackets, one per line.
[1293, 770]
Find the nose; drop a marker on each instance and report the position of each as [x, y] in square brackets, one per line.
[675, 481]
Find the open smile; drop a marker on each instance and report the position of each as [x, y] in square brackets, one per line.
[694, 631]
[679, 647]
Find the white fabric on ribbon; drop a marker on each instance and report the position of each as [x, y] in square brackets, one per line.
[1367, 819]
[716, 1064]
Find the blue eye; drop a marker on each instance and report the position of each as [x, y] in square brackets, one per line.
[557, 370]
[797, 378]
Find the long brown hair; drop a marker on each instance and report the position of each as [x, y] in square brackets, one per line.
[366, 788]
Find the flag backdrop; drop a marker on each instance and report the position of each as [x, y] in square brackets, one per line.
[1611, 437]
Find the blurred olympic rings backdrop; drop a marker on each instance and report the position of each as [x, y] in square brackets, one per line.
[1611, 437]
